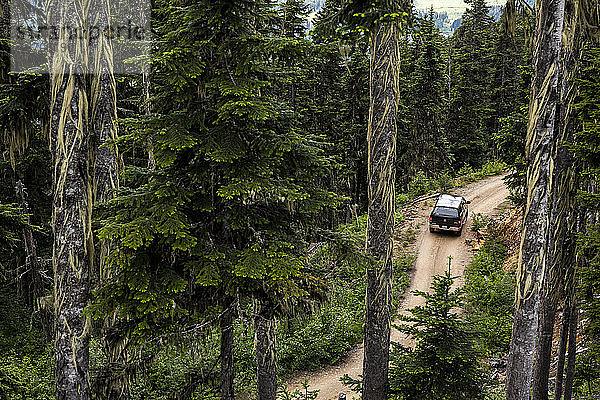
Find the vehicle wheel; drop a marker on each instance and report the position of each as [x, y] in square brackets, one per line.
[431, 230]
[458, 233]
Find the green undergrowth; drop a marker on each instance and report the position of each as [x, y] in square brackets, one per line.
[324, 337]
[310, 340]
[490, 296]
[26, 365]
[421, 184]
[306, 341]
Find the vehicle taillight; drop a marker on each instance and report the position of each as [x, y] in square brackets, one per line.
[459, 222]
[430, 219]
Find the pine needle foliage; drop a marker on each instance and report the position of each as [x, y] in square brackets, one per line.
[443, 363]
[237, 185]
[471, 112]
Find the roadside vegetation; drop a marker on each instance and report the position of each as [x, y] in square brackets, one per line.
[198, 229]
[319, 332]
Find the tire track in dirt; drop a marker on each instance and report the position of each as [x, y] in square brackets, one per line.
[432, 251]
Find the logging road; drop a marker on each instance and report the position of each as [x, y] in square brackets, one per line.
[432, 250]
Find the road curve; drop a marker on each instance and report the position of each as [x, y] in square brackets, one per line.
[432, 250]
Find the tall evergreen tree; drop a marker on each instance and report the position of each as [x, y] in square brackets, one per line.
[510, 90]
[422, 143]
[471, 116]
[444, 362]
[236, 188]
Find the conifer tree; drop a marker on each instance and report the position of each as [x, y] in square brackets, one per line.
[71, 218]
[236, 188]
[470, 115]
[443, 364]
[422, 139]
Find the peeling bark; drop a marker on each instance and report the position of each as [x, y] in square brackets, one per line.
[541, 136]
[563, 215]
[71, 217]
[382, 151]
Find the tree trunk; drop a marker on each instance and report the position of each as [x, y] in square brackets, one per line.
[227, 346]
[382, 151]
[266, 357]
[71, 217]
[561, 240]
[562, 351]
[574, 320]
[541, 136]
[541, 369]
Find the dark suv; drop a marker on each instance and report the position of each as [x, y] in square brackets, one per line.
[449, 214]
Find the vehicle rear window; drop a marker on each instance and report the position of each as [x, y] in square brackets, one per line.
[445, 212]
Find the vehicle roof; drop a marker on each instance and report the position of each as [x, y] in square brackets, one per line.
[448, 200]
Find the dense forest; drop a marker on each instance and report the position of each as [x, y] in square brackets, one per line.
[227, 216]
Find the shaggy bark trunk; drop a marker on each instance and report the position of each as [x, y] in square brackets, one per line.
[382, 151]
[561, 240]
[543, 115]
[71, 217]
[227, 392]
[266, 357]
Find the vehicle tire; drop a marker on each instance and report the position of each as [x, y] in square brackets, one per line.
[459, 232]
[431, 230]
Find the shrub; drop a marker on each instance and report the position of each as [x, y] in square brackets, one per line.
[480, 221]
[443, 182]
[490, 296]
[25, 377]
[420, 185]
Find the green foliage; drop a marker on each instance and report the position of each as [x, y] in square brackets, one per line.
[587, 369]
[11, 225]
[480, 221]
[26, 377]
[422, 146]
[587, 150]
[184, 368]
[490, 296]
[26, 365]
[304, 394]
[444, 362]
[467, 174]
[421, 184]
[471, 86]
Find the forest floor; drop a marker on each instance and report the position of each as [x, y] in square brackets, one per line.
[432, 251]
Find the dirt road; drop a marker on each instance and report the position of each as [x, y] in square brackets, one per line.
[432, 250]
